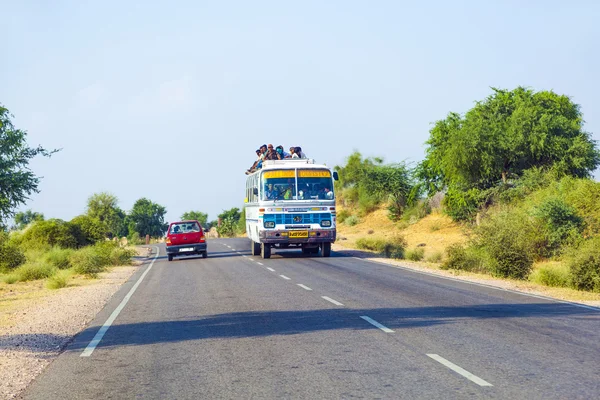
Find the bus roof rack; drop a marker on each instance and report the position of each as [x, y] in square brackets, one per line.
[289, 161]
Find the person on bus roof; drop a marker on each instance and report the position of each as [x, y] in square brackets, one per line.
[299, 152]
[282, 152]
[272, 154]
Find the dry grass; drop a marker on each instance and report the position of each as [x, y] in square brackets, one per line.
[436, 231]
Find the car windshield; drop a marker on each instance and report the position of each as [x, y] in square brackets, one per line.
[184, 227]
[312, 184]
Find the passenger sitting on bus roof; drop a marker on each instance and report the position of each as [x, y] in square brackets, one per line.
[272, 154]
[282, 152]
[300, 153]
[258, 163]
[292, 152]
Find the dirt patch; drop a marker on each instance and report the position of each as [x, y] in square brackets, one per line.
[434, 233]
[36, 323]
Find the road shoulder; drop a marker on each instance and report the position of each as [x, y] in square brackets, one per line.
[35, 329]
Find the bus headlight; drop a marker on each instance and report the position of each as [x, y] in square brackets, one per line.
[326, 223]
[269, 224]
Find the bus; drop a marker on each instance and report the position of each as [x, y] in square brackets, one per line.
[291, 204]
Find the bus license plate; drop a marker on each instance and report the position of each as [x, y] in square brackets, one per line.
[298, 234]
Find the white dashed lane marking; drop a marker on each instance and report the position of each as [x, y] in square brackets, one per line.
[459, 370]
[285, 277]
[329, 299]
[377, 324]
[304, 287]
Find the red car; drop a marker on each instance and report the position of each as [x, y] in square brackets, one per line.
[186, 238]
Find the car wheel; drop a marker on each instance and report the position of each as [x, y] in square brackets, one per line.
[170, 257]
[204, 254]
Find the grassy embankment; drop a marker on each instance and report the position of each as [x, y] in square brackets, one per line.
[542, 236]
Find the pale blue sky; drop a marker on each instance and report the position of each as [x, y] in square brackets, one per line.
[169, 100]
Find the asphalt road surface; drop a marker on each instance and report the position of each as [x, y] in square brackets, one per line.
[233, 326]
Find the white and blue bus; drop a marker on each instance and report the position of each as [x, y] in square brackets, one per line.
[291, 203]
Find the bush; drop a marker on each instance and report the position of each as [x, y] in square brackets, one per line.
[342, 216]
[10, 254]
[391, 248]
[60, 280]
[552, 275]
[88, 230]
[415, 254]
[511, 239]
[584, 264]
[435, 257]
[10, 279]
[562, 224]
[135, 239]
[465, 258]
[352, 220]
[53, 232]
[32, 271]
[416, 212]
[59, 258]
[462, 205]
[121, 256]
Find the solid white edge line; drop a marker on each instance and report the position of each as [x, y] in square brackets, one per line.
[329, 299]
[100, 334]
[459, 370]
[285, 277]
[480, 284]
[270, 269]
[377, 324]
[304, 286]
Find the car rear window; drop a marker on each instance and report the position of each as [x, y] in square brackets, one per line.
[184, 227]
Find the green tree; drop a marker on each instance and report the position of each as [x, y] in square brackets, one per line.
[229, 222]
[197, 215]
[104, 207]
[24, 218]
[88, 230]
[503, 136]
[147, 218]
[17, 181]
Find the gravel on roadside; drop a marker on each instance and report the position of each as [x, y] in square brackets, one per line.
[38, 333]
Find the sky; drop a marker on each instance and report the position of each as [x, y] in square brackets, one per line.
[169, 100]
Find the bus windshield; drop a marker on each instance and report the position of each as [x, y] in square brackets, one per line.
[312, 184]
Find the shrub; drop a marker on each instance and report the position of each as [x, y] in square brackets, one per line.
[352, 220]
[134, 238]
[59, 280]
[462, 205]
[511, 239]
[342, 215]
[32, 271]
[465, 258]
[562, 224]
[53, 232]
[584, 264]
[435, 257]
[10, 279]
[436, 226]
[59, 258]
[121, 256]
[391, 248]
[555, 275]
[88, 230]
[415, 254]
[416, 212]
[90, 260]
[10, 254]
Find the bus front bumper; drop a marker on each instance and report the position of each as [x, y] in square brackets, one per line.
[291, 236]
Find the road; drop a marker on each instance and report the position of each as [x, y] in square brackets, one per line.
[235, 326]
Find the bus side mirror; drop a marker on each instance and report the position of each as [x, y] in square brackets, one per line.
[255, 191]
[335, 175]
